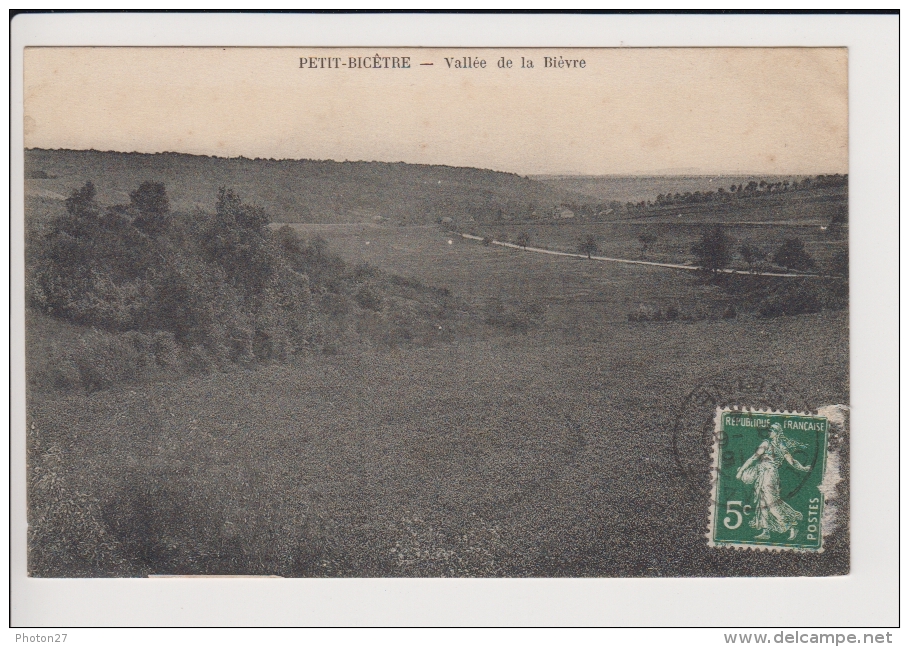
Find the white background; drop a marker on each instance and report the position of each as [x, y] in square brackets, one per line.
[866, 597]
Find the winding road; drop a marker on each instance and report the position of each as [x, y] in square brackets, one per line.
[693, 268]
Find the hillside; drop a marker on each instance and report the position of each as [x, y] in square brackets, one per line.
[634, 188]
[292, 190]
[803, 200]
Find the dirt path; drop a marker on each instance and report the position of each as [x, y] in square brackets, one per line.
[674, 266]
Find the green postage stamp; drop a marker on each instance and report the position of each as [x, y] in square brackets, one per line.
[768, 468]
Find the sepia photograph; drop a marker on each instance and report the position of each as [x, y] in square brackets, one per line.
[437, 313]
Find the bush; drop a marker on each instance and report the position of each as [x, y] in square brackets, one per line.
[646, 313]
[516, 319]
[752, 255]
[368, 299]
[792, 255]
[770, 296]
[364, 271]
[797, 296]
[93, 361]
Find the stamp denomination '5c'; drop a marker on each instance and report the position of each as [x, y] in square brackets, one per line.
[768, 468]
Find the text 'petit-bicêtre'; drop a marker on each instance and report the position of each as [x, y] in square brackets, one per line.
[380, 62]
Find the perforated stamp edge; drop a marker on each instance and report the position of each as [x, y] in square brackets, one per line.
[715, 480]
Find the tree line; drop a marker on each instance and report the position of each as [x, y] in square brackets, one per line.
[743, 190]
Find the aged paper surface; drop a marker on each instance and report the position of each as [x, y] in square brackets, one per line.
[315, 312]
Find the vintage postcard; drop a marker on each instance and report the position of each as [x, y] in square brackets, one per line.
[418, 312]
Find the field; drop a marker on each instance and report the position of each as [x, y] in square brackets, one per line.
[576, 297]
[535, 440]
[481, 459]
[540, 454]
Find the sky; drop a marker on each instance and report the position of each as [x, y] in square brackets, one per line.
[626, 111]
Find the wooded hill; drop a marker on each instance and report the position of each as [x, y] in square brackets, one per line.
[294, 190]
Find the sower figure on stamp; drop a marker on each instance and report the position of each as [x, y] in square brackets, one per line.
[771, 513]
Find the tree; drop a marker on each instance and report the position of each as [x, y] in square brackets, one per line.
[792, 255]
[230, 209]
[82, 212]
[751, 255]
[646, 239]
[589, 246]
[237, 239]
[523, 239]
[714, 250]
[150, 201]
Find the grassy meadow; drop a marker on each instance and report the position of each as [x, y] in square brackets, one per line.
[521, 424]
[486, 458]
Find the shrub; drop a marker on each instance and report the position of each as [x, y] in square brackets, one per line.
[751, 255]
[792, 298]
[516, 319]
[368, 299]
[364, 271]
[646, 313]
[792, 255]
[647, 239]
[97, 361]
